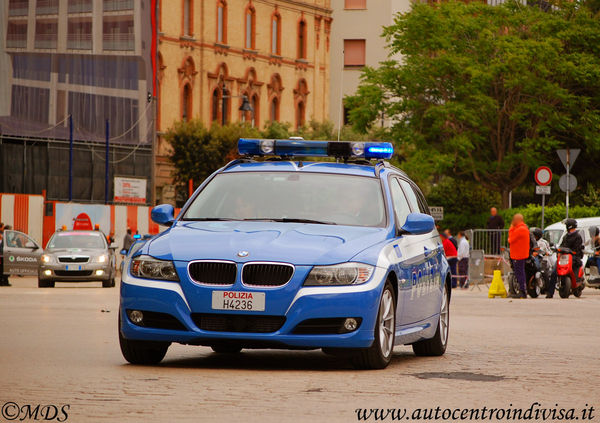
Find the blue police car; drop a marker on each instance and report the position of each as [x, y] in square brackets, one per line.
[273, 251]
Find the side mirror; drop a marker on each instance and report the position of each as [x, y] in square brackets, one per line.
[123, 252]
[113, 246]
[163, 214]
[418, 224]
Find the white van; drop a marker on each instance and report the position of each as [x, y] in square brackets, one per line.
[554, 233]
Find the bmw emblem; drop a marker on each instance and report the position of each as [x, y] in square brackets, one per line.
[243, 253]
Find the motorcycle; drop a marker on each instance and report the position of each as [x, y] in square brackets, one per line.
[567, 282]
[534, 280]
[593, 274]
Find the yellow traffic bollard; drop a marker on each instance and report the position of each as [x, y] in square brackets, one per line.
[497, 288]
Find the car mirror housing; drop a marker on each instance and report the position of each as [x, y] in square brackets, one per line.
[163, 214]
[418, 224]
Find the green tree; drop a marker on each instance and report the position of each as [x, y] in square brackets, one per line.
[484, 92]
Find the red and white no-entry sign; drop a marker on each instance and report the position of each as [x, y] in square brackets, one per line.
[543, 175]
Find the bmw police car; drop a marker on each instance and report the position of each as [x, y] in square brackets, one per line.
[272, 251]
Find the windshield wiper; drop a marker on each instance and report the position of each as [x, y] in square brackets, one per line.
[209, 219]
[299, 220]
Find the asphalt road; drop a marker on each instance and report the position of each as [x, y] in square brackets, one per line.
[59, 347]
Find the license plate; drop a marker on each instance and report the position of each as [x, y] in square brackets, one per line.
[73, 267]
[236, 300]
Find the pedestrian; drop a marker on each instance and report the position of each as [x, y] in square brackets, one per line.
[451, 256]
[519, 240]
[451, 238]
[463, 254]
[128, 240]
[495, 224]
[3, 277]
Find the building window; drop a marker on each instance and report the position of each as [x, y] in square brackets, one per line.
[114, 5]
[255, 103]
[46, 34]
[222, 22]
[214, 117]
[302, 39]
[16, 34]
[276, 34]
[274, 110]
[187, 17]
[186, 103]
[118, 33]
[79, 6]
[250, 30]
[46, 7]
[354, 53]
[355, 4]
[79, 35]
[300, 114]
[18, 7]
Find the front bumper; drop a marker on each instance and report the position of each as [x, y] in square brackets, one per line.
[293, 301]
[76, 272]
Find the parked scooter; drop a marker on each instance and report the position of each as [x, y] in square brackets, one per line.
[593, 275]
[567, 282]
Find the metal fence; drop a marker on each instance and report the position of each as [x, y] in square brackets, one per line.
[491, 241]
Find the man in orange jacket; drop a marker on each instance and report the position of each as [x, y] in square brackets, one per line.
[519, 241]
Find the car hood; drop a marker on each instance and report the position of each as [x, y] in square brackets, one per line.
[75, 251]
[297, 243]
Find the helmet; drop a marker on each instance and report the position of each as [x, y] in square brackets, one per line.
[537, 233]
[570, 224]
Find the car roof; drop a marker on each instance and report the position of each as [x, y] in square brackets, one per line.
[357, 169]
[581, 222]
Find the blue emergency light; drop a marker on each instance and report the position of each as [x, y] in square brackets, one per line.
[302, 148]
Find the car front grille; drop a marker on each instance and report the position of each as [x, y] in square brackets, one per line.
[67, 259]
[213, 272]
[238, 323]
[74, 273]
[267, 274]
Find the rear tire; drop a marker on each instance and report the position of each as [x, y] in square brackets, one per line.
[533, 289]
[564, 287]
[436, 346]
[45, 284]
[379, 354]
[142, 352]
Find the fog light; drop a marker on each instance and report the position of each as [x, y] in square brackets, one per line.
[350, 324]
[48, 272]
[136, 316]
[99, 272]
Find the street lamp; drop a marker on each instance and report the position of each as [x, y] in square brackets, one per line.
[245, 107]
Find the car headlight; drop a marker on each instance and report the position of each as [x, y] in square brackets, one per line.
[339, 274]
[46, 258]
[150, 268]
[102, 259]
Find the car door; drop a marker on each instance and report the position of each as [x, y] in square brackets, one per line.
[411, 252]
[424, 299]
[21, 254]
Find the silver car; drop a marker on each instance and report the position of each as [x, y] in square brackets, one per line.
[77, 256]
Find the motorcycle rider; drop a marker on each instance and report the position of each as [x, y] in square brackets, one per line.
[573, 241]
[543, 247]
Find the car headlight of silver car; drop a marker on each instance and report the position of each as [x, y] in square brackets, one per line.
[103, 258]
[339, 274]
[46, 258]
[150, 268]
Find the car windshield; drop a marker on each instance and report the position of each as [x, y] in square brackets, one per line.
[291, 197]
[553, 236]
[77, 240]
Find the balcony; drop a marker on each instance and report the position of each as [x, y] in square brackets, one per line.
[79, 41]
[16, 41]
[80, 6]
[45, 41]
[18, 8]
[46, 7]
[116, 41]
[116, 5]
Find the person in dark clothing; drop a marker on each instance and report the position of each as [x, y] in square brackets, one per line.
[128, 240]
[495, 223]
[573, 241]
[3, 277]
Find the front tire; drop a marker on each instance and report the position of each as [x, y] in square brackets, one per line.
[564, 287]
[436, 346]
[379, 354]
[533, 288]
[45, 284]
[109, 283]
[142, 352]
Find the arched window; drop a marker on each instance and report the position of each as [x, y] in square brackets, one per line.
[250, 17]
[302, 39]
[276, 34]
[255, 103]
[300, 114]
[214, 116]
[222, 22]
[224, 106]
[186, 103]
[274, 110]
[187, 17]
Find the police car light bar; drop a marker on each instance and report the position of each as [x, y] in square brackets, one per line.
[301, 148]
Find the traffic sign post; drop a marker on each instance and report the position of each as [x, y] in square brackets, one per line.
[543, 177]
[568, 157]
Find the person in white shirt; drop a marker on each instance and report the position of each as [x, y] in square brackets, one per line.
[463, 260]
